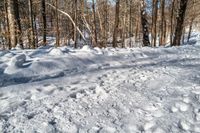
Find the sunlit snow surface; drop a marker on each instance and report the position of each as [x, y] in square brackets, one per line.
[148, 90]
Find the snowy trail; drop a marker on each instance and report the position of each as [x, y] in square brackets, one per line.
[101, 91]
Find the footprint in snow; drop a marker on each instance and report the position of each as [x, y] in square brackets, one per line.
[197, 94]
[1, 95]
[186, 99]
[77, 95]
[159, 130]
[151, 107]
[107, 130]
[50, 89]
[184, 125]
[47, 89]
[30, 116]
[179, 107]
[197, 114]
[147, 126]
[75, 82]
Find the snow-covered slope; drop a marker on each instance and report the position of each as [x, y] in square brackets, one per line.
[100, 91]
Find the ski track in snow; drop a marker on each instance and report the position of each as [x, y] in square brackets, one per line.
[100, 91]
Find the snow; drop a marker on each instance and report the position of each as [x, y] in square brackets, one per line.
[56, 52]
[148, 90]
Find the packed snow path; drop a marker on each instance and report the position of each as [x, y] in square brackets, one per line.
[100, 91]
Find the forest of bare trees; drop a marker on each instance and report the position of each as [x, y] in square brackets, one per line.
[98, 23]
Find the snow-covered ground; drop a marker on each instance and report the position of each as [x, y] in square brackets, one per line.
[139, 90]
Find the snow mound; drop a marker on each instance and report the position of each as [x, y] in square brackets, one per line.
[18, 60]
[15, 63]
[86, 48]
[98, 50]
[18, 47]
[2, 53]
[56, 52]
[65, 49]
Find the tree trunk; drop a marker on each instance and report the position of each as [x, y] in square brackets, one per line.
[190, 30]
[180, 23]
[11, 21]
[172, 20]
[36, 31]
[75, 21]
[154, 23]
[8, 26]
[144, 22]
[32, 33]
[130, 24]
[44, 30]
[18, 23]
[162, 25]
[116, 27]
[57, 26]
[183, 36]
[191, 20]
[106, 25]
[95, 24]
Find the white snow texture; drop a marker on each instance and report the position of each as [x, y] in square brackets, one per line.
[133, 90]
